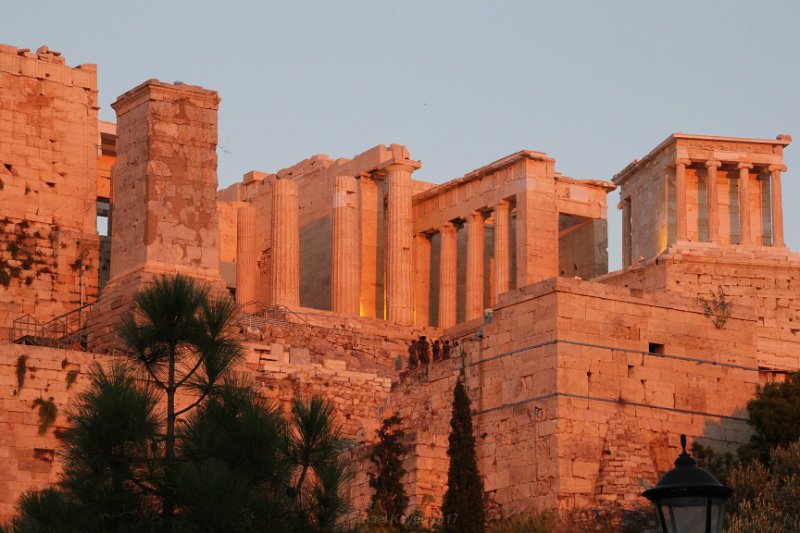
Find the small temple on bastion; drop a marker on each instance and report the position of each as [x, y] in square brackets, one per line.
[581, 379]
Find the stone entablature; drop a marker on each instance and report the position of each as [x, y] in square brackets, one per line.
[703, 188]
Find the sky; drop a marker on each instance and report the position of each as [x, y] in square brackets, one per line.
[461, 83]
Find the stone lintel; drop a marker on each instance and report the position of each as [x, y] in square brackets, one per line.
[675, 142]
[156, 90]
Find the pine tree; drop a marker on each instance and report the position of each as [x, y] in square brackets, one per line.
[389, 496]
[182, 338]
[463, 502]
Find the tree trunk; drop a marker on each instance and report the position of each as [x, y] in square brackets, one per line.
[169, 445]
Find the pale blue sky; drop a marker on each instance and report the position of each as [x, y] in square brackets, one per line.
[593, 84]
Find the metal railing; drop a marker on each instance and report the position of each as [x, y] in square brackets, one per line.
[255, 315]
[63, 331]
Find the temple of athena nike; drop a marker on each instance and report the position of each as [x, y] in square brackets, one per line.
[581, 380]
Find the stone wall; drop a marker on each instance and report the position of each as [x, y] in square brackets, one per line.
[164, 208]
[29, 453]
[579, 392]
[295, 362]
[48, 185]
[764, 279]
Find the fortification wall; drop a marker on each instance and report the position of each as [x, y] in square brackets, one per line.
[29, 457]
[29, 452]
[48, 185]
[765, 279]
[579, 392]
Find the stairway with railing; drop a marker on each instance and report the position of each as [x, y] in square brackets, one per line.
[255, 315]
[64, 331]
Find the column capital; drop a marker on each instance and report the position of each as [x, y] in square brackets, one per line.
[502, 204]
[475, 215]
[713, 163]
[743, 165]
[683, 161]
[402, 166]
[447, 227]
[778, 168]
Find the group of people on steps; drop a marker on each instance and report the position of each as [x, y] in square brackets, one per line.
[422, 352]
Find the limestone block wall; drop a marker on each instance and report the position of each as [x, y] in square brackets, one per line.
[165, 179]
[647, 210]
[764, 279]
[366, 345]
[29, 457]
[164, 209]
[48, 184]
[633, 374]
[580, 391]
[282, 371]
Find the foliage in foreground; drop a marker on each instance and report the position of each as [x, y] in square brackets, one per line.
[241, 466]
[766, 497]
[462, 508]
[765, 474]
[389, 500]
[181, 339]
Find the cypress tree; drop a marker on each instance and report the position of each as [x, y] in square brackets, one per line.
[463, 502]
[389, 496]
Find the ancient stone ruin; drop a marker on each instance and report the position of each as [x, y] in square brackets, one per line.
[581, 380]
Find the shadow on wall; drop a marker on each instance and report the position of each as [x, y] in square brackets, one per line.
[316, 255]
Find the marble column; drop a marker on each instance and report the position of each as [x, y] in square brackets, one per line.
[399, 260]
[474, 300]
[681, 217]
[501, 255]
[345, 278]
[776, 202]
[448, 276]
[712, 193]
[627, 232]
[246, 255]
[745, 225]
[422, 278]
[369, 213]
[285, 268]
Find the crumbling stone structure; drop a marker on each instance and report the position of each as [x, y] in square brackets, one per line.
[48, 187]
[163, 189]
[581, 380]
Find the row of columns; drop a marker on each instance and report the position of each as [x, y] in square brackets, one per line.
[346, 242]
[745, 227]
[403, 257]
[475, 274]
[282, 274]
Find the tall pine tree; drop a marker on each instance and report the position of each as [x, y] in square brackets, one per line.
[463, 502]
[387, 456]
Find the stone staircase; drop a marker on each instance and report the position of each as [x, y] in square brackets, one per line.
[64, 331]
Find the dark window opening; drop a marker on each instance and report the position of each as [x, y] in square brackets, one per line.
[103, 209]
[654, 347]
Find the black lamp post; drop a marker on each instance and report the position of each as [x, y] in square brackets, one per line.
[689, 499]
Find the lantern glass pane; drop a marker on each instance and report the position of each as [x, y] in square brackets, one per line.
[717, 511]
[685, 514]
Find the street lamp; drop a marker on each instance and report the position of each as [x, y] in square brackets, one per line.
[689, 499]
